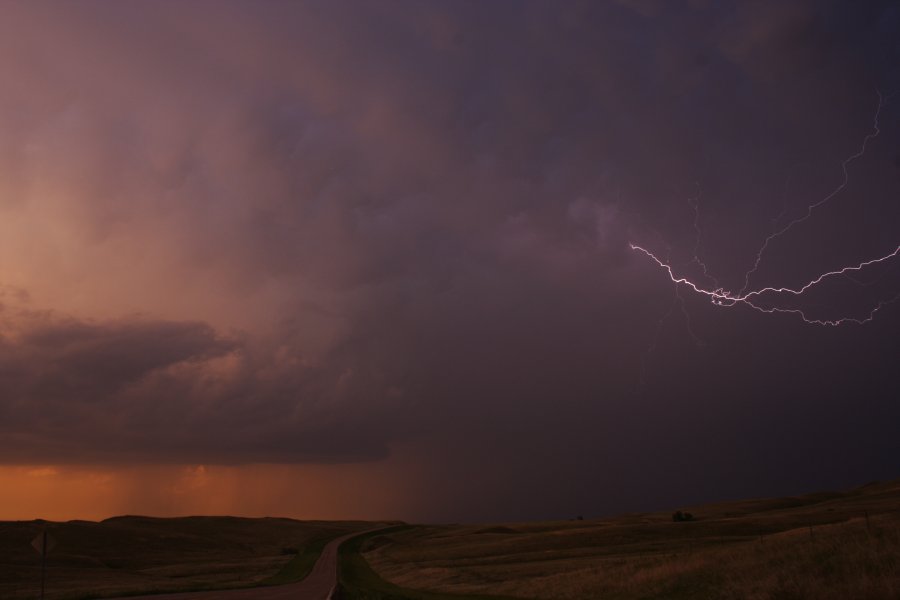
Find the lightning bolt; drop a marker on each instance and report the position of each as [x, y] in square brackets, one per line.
[812, 207]
[695, 205]
[754, 298]
[724, 298]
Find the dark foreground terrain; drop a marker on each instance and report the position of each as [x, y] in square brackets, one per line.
[823, 546]
[139, 555]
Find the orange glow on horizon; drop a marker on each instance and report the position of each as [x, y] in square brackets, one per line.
[61, 493]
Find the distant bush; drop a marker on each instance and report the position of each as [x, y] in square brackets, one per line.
[679, 516]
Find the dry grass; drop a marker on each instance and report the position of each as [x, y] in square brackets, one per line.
[817, 546]
[128, 555]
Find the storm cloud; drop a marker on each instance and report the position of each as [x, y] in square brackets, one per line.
[331, 232]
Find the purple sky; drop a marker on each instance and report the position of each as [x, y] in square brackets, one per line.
[386, 244]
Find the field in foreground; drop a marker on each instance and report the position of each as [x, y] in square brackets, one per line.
[819, 546]
[131, 555]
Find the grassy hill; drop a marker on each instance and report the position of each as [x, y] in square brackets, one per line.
[129, 555]
[842, 545]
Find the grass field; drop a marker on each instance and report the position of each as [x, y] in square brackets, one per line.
[139, 555]
[359, 582]
[824, 546]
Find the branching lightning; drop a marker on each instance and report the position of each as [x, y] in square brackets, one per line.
[695, 205]
[725, 298]
[766, 299]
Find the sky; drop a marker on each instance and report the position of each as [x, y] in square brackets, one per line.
[415, 260]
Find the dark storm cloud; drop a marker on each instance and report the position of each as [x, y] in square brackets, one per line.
[418, 215]
[142, 390]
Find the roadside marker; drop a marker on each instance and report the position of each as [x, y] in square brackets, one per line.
[43, 543]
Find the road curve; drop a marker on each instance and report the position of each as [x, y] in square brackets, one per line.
[315, 586]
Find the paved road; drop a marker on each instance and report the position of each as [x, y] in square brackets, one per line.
[316, 586]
